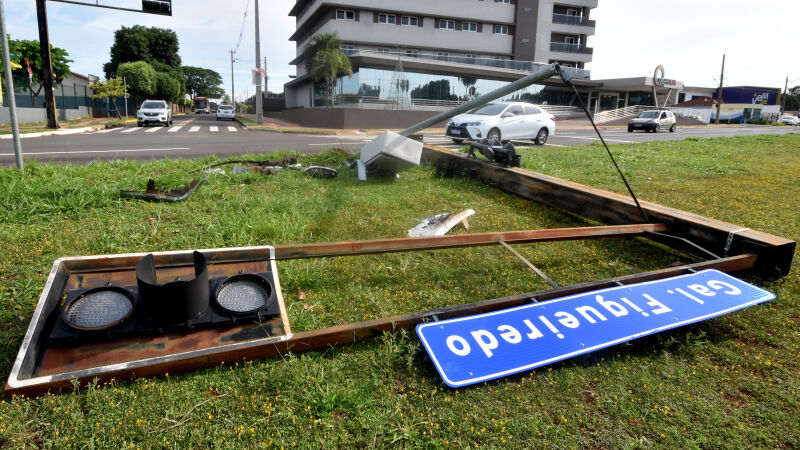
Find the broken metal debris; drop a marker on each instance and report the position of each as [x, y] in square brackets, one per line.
[389, 153]
[440, 224]
[174, 195]
[320, 172]
[495, 151]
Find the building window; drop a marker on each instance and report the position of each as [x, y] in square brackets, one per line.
[572, 12]
[411, 21]
[503, 1]
[469, 26]
[345, 14]
[348, 49]
[384, 50]
[442, 56]
[390, 19]
[501, 29]
[412, 53]
[499, 58]
[447, 24]
[569, 40]
[471, 57]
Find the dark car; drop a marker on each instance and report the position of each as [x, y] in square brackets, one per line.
[654, 121]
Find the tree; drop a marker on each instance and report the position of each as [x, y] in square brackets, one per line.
[167, 87]
[468, 82]
[140, 43]
[141, 79]
[325, 60]
[792, 101]
[202, 82]
[30, 51]
[109, 89]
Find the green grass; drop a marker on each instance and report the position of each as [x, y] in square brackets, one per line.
[245, 120]
[730, 382]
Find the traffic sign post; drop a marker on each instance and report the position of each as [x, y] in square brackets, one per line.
[479, 348]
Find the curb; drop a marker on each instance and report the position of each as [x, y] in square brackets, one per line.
[52, 133]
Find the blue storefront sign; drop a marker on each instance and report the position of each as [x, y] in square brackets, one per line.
[753, 96]
[478, 348]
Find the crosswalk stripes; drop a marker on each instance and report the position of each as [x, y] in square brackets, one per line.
[129, 130]
[175, 129]
[194, 129]
[231, 128]
[171, 129]
[151, 130]
[213, 129]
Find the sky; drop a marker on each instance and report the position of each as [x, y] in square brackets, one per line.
[687, 37]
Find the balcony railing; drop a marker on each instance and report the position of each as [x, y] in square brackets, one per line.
[510, 64]
[573, 20]
[570, 48]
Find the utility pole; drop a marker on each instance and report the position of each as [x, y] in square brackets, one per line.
[233, 87]
[259, 108]
[47, 64]
[12, 102]
[783, 98]
[719, 91]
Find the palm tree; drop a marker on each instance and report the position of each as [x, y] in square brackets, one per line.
[325, 60]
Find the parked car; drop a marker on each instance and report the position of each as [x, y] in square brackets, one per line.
[790, 120]
[154, 111]
[503, 121]
[225, 112]
[654, 121]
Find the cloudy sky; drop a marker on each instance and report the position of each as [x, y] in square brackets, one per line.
[687, 37]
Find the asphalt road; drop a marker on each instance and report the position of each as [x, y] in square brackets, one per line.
[200, 135]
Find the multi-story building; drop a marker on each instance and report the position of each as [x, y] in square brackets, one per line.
[449, 50]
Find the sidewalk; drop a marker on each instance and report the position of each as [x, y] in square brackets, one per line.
[31, 130]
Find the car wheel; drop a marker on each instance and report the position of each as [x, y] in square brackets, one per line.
[630, 130]
[657, 129]
[541, 137]
[140, 124]
[458, 141]
[493, 135]
[672, 128]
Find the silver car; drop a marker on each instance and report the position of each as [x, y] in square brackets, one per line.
[654, 121]
[154, 111]
[225, 112]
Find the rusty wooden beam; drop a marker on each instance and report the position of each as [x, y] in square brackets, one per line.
[724, 239]
[242, 343]
[347, 248]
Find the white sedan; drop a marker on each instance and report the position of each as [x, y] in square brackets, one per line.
[790, 120]
[503, 121]
[225, 112]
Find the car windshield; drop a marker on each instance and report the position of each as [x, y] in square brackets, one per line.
[492, 109]
[648, 115]
[226, 107]
[152, 105]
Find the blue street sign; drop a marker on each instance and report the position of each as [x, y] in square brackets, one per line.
[478, 348]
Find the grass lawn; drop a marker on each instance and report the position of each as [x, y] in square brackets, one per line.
[730, 382]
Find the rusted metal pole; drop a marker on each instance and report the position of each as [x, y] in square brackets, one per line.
[547, 72]
[349, 248]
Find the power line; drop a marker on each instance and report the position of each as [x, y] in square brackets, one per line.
[241, 29]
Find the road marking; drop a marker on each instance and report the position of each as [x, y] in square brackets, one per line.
[597, 139]
[103, 151]
[194, 129]
[130, 130]
[213, 129]
[231, 128]
[152, 130]
[341, 143]
[175, 129]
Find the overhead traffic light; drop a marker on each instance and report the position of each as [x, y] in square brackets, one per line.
[163, 7]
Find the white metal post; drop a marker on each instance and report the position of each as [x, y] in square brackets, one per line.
[12, 102]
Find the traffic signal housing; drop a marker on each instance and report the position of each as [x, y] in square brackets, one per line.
[162, 7]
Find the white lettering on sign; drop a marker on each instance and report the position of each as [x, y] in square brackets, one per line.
[761, 99]
[583, 315]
